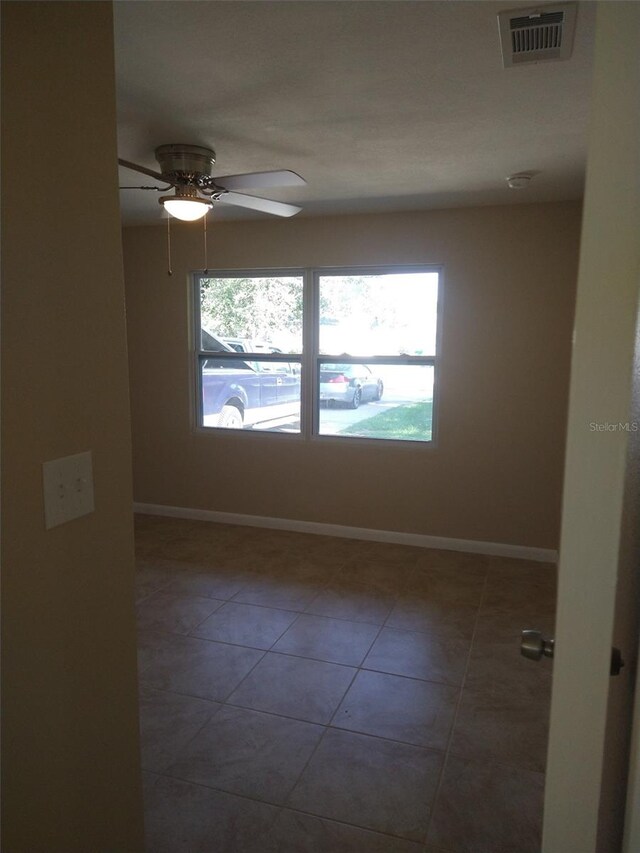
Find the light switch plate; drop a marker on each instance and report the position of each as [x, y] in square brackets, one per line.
[68, 488]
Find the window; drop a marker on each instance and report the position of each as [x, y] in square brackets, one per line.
[260, 317]
[325, 353]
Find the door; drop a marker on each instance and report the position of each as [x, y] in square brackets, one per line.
[289, 387]
[599, 549]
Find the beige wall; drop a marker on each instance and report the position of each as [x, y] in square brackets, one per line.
[496, 472]
[70, 778]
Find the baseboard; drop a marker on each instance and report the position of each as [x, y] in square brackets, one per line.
[418, 540]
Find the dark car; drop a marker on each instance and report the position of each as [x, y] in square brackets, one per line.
[237, 394]
[350, 384]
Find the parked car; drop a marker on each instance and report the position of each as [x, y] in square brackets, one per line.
[249, 345]
[350, 384]
[238, 394]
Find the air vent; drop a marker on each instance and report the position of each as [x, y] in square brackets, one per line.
[540, 34]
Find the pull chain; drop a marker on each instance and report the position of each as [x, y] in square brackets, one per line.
[169, 270]
[206, 264]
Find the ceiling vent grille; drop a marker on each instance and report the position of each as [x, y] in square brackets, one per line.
[537, 35]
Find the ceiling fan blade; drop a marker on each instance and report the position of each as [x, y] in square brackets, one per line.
[263, 204]
[143, 170]
[260, 180]
[155, 189]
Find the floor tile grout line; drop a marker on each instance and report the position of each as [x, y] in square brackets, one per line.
[379, 832]
[306, 611]
[238, 707]
[153, 592]
[280, 636]
[320, 739]
[358, 669]
[270, 650]
[409, 743]
[242, 680]
[213, 714]
[354, 825]
[410, 677]
[267, 651]
[264, 606]
[207, 698]
[220, 703]
[299, 612]
[384, 626]
[406, 590]
[209, 615]
[166, 775]
[434, 802]
[325, 660]
[497, 763]
[324, 615]
[318, 616]
[328, 725]
[280, 807]
[181, 594]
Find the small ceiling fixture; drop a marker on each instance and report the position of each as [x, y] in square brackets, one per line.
[520, 181]
[186, 204]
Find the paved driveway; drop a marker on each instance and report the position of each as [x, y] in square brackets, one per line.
[333, 420]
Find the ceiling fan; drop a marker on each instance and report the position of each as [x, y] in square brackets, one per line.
[187, 170]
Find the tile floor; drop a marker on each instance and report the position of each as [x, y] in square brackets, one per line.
[306, 694]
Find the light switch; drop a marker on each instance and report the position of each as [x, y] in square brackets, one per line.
[68, 488]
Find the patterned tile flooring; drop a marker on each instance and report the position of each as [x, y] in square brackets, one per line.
[307, 694]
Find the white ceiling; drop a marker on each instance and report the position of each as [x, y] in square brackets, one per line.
[384, 105]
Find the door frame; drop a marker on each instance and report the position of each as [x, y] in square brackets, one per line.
[595, 467]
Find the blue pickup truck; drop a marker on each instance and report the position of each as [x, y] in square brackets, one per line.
[239, 394]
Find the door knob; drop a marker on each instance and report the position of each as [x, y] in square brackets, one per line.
[534, 646]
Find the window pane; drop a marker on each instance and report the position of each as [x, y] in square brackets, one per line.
[257, 314]
[376, 401]
[391, 314]
[251, 395]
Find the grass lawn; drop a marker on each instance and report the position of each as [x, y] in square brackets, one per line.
[406, 423]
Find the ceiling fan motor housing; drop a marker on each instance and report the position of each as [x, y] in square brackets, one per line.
[185, 163]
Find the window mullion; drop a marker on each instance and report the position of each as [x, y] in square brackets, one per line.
[309, 350]
[428, 360]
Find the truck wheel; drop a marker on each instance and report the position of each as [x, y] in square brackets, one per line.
[230, 417]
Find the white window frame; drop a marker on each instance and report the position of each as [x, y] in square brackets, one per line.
[310, 357]
[201, 354]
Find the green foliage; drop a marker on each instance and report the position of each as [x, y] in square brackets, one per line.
[341, 297]
[410, 423]
[262, 308]
[354, 311]
[255, 308]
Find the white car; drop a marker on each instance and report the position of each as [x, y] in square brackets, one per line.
[249, 345]
[350, 384]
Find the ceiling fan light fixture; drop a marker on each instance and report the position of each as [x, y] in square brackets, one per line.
[185, 207]
[520, 181]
